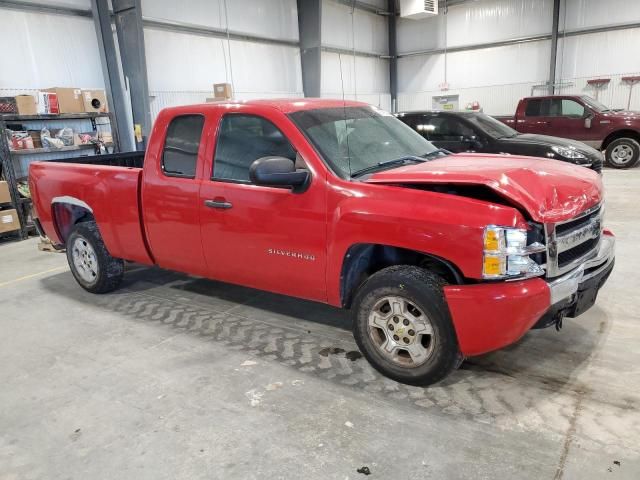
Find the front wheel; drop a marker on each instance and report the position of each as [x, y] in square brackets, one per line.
[623, 153]
[91, 264]
[403, 327]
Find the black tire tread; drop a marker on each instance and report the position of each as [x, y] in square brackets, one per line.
[435, 284]
[111, 270]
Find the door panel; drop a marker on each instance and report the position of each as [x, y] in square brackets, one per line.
[567, 120]
[263, 237]
[170, 193]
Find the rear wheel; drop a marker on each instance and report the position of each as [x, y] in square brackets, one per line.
[623, 153]
[403, 327]
[91, 264]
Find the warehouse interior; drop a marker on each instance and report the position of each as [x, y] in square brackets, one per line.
[180, 373]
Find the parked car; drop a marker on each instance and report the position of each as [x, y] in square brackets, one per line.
[439, 256]
[477, 132]
[582, 118]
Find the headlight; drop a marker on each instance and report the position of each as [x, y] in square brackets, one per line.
[506, 254]
[569, 152]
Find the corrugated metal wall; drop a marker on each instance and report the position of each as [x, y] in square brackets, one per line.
[355, 77]
[182, 68]
[57, 50]
[498, 77]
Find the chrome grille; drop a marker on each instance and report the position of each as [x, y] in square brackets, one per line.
[572, 242]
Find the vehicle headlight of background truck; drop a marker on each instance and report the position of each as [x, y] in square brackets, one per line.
[507, 255]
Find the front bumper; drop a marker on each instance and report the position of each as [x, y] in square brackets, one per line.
[575, 292]
[489, 316]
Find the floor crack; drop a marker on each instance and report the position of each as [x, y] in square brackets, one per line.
[569, 436]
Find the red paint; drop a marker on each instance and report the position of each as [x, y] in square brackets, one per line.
[604, 124]
[549, 190]
[245, 244]
[493, 315]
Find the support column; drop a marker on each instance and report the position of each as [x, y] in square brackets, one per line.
[128, 20]
[554, 46]
[113, 81]
[393, 56]
[310, 28]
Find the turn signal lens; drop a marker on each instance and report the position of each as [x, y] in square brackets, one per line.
[494, 265]
[507, 254]
[492, 239]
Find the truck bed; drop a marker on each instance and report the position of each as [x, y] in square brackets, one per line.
[126, 159]
[106, 187]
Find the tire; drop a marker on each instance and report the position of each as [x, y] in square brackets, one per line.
[429, 356]
[623, 153]
[91, 264]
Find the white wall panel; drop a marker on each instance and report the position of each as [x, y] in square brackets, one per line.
[183, 62]
[599, 54]
[177, 61]
[615, 95]
[591, 13]
[494, 99]
[48, 50]
[268, 18]
[477, 22]
[367, 75]
[370, 31]
[475, 67]
[270, 69]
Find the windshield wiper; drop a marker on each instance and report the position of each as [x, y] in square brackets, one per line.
[388, 163]
[439, 152]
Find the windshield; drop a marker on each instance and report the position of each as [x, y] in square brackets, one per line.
[595, 104]
[353, 139]
[491, 126]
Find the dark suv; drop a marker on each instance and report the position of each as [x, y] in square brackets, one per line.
[478, 132]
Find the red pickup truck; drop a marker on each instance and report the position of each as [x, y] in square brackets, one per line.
[439, 255]
[583, 118]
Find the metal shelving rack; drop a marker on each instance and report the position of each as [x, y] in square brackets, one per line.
[7, 156]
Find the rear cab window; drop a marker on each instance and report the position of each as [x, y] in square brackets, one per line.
[181, 145]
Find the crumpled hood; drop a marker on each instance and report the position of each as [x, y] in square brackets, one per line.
[550, 191]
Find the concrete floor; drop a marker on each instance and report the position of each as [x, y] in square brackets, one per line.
[177, 377]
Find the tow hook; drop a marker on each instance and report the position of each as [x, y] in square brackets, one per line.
[559, 317]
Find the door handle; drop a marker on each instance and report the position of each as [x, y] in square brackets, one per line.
[218, 204]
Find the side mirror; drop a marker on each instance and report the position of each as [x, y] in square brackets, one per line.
[588, 116]
[587, 121]
[472, 142]
[278, 172]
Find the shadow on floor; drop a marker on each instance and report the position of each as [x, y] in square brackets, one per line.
[301, 335]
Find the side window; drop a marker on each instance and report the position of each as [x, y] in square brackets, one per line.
[571, 108]
[180, 154]
[243, 139]
[555, 107]
[445, 128]
[533, 108]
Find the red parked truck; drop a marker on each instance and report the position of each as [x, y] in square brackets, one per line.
[580, 117]
[439, 255]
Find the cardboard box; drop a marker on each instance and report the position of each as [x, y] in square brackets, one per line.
[94, 101]
[222, 91]
[69, 99]
[8, 105]
[5, 196]
[47, 103]
[26, 105]
[9, 221]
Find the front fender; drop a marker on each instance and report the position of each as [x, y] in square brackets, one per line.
[446, 226]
